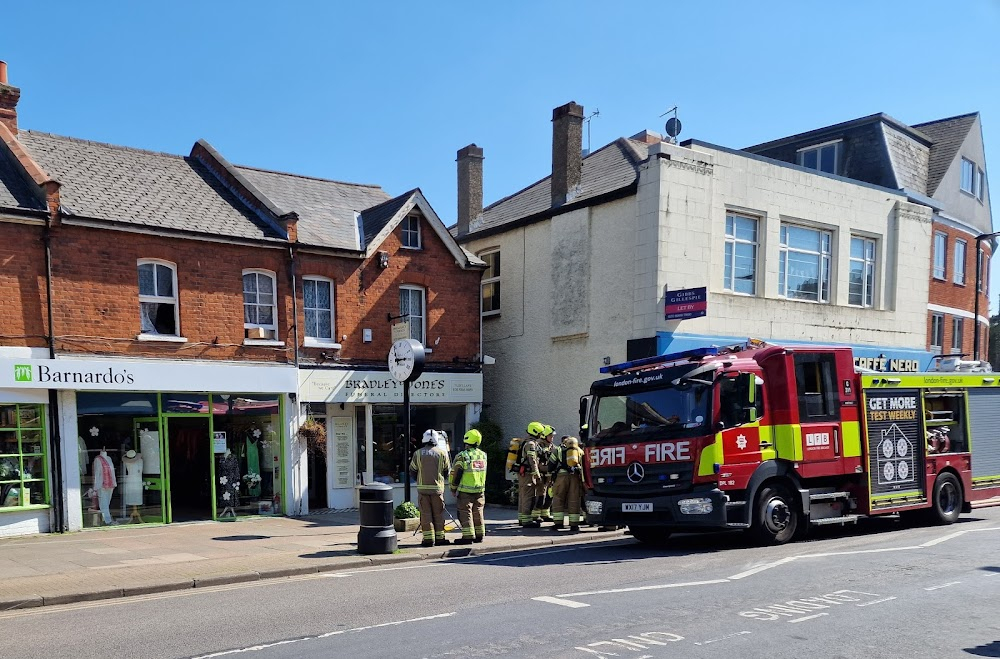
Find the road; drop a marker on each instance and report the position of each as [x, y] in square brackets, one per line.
[879, 590]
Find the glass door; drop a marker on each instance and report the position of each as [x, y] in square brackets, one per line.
[144, 485]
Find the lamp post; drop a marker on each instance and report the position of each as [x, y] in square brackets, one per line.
[979, 275]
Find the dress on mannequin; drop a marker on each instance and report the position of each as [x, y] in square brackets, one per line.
[253, 463]
[105, 483]
[81, 451]
[229, 480]
[133, 478]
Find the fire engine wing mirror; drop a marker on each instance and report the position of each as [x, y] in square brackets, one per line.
[585, 402]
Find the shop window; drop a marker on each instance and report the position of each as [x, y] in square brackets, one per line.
[411, 231]
[804, 263]
[246, 449]
[389, 435]
[411, 307]
[158, 298]
[260, 313]
[23, 467]
[740, 275]
[816, 386]
[317, 293]
[491, 283]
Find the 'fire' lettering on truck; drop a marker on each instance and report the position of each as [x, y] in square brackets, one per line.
[648, 453]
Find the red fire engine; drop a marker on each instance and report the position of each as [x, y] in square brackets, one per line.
[777, 439]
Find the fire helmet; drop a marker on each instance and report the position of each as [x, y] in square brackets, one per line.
[473, 437]
[430, 437]
[536, 429]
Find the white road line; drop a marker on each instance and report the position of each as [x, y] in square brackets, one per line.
[561, 602]
[884, 599]
[951, 583]
[722, 638]
[641, 588]
[479, 559]
[331, 575]
[817, 615]
[761, 568]
[945, 538]
[265, 646]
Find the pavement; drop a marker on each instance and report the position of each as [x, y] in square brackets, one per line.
[129, 560]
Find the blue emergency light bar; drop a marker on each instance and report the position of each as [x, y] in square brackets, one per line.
[659, 359]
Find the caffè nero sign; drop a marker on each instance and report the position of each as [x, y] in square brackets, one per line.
[335, 386]
[887, 364]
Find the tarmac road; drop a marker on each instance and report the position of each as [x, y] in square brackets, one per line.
[881, 590]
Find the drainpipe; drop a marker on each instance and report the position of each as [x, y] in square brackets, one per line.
[295, 304]
[55, 439]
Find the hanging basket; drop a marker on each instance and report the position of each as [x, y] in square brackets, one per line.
[314, 435]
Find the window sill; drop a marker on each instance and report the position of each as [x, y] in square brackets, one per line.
[18, 509]
[263, 342]
[490, 314]
[161, 338]
[959, 283]
[320, 343]
[415, 248]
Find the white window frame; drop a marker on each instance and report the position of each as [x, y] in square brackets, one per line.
[937, 332]
[980, 184]
[325, 342]
[868, 260]
[272, 327]
[940, 251]
[423, 306]
[957, 327]
[825, 260]
[970, 167]
[731, 241]
[984, 269]
[961, 254]
[819, 148]
[160, 299]
[495, 280]
[410, 234]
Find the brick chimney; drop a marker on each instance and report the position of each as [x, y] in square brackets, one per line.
[9, 97]
[567, 156]
[470, 186]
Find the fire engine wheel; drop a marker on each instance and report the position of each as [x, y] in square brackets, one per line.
[654, 536]
[776, 516]
[947, 499]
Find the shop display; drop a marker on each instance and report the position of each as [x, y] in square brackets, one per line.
[105, 483]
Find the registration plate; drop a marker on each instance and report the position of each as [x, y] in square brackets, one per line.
[637, 507]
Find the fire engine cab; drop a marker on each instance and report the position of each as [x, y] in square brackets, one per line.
[777, 439]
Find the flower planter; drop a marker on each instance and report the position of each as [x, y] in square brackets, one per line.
[408, 524]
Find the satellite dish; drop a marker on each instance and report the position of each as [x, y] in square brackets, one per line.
[673, 127]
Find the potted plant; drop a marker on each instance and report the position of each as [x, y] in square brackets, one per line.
[313, 433]
[406, 517]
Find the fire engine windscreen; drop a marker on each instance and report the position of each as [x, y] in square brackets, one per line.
[632, 405]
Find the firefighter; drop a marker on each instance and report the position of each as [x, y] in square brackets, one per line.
[468, 484]
[564, 463]
[544, 449]
[431, 466]
[529, 478]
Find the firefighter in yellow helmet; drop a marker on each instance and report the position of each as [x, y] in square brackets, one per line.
[431, 465]
[468, 484]
[531, 485]
[565, 464]
[544, 450]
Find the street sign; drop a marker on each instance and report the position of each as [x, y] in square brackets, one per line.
[685, 303]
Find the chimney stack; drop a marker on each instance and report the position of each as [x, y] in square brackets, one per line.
[470, 186]
[9, 97]
[567, 155]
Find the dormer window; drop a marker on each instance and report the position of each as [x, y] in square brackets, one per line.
[821, 157]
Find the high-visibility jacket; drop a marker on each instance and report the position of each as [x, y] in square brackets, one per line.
[469, 474]
[431, 465]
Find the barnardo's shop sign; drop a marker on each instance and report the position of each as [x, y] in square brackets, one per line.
[108, 375]
[335, 386]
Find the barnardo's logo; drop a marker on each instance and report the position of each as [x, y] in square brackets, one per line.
[22, 372]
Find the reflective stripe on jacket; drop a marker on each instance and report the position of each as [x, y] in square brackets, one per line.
[469, 475]
[431, 465]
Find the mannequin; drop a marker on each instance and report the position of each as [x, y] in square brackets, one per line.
[253, 461]
[105, 483]
[229, 482]
[81, 448]
[132, 462]
[149, 446]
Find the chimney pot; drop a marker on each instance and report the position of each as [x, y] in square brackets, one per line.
[9, 96]
[470, 186]
[3, 72]
[567, 151]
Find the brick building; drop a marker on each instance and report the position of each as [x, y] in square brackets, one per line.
[168, 322]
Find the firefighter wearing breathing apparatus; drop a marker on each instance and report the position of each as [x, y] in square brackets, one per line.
[468, 484]
[564, 464]
[431, 466]
[531, 484]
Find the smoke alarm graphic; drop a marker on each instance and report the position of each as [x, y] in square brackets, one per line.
[895, 457]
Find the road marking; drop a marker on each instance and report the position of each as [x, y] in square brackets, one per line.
[946, 538]
[265, 646]
[761, 568]
[561, 602]
[334, 575]
[817, 615]
[636, 589]
[722, 638]
[951, 583]
[884, 599]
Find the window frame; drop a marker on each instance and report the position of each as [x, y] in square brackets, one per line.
[318, 340]
[729, 252]
[980, 184]
[825, 263]
[423, 315]
[411, 231]
[800, 156]
[943, 253]
[273, 327]
[970, 166]
[868, 266]
[495, 280]
[958, 269]
[160, 299]
[937, 328]
[984, 268]
[39, 458]
[957, 329]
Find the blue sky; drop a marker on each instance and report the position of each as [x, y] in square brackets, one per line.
[387, 92]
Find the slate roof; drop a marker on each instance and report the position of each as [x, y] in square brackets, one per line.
[15, 192]
[375, 218]
[146, 188]
[947, 136]
[610, 168]
[325, 208]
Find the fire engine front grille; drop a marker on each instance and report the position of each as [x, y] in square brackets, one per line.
[656, 479]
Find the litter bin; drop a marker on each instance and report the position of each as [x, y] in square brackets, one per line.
[377, 534]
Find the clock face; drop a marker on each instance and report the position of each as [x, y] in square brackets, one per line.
[406, 360]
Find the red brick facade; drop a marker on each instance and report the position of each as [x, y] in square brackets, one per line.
[23, 312]
[945, 292]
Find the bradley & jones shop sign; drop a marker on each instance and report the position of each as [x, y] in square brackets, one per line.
[334, 386]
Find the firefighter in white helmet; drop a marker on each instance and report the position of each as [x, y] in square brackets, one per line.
[431, 466]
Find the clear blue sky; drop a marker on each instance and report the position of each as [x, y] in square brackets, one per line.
[386, 92]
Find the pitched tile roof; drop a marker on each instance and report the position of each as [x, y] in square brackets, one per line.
[325, 208]
[375, 218]
[145, 188]
[610, 168]
[15, 192]
[947, 136]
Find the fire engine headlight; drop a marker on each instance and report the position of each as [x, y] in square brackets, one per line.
[595, 507]
[701, 506]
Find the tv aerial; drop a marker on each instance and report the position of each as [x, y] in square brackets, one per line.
[673, 126]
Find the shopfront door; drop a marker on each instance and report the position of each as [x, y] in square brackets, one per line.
[189, 468]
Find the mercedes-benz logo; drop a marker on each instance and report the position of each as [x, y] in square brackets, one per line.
[635, 472]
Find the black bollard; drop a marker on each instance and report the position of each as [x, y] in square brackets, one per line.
[377, 534]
